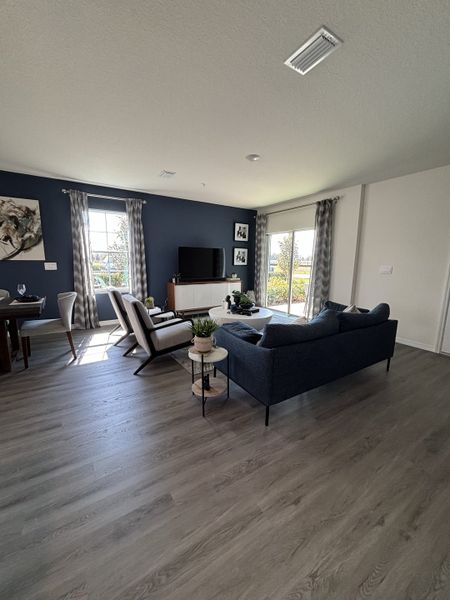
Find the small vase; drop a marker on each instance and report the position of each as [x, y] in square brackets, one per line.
[203, 344]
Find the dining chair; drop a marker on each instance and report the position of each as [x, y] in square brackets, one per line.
[4, 294]
[155, 338]
[39, 327]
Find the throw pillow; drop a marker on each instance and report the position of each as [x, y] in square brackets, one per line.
[243, 331]
[300, 321]
[351, 309]
[340, 307]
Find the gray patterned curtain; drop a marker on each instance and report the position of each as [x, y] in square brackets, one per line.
[138, 268]
[319, 286]
[261, 259]
[85, 313]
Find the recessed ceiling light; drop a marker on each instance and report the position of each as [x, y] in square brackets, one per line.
[253, 157]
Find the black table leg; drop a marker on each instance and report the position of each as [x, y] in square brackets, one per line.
[228, 376]
[5, 357]
[203, 389]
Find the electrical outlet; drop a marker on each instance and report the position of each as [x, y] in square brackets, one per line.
[386, 269]
[51, 266]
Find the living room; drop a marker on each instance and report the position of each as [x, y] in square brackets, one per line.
[141, 138]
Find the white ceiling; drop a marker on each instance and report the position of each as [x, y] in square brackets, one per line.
[114, 91]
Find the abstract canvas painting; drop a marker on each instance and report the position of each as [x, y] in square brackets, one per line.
[20, 229]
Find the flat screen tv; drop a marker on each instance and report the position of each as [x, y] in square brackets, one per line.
[197, 264]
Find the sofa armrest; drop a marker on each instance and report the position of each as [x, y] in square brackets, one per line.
[251, 367]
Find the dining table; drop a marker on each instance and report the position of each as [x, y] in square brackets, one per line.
[12, 311]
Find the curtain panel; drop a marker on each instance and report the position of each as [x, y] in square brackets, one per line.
[319, 288]
[261, 259]
[138, 266]
[85, 312]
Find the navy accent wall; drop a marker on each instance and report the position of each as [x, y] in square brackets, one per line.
[168, 223]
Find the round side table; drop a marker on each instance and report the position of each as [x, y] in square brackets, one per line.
[206, 386]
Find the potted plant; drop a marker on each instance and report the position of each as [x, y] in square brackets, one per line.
[149, 302]
[203, 330]
[236, 296]
[245, 302]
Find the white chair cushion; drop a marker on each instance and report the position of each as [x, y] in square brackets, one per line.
[41, 327]
[166, 316]
[172, 336]
[161, 323]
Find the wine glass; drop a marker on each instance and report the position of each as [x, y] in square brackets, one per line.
[21, 288]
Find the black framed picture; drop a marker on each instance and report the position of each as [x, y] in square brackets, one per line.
[240, 256]
[241, 232]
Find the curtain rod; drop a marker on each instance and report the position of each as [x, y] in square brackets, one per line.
[64, 191]
[276, 212]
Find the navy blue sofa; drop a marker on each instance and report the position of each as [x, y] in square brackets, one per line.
[287, 360]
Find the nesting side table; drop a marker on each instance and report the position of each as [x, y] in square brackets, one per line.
[206, 386]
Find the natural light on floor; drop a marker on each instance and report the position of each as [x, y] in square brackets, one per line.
[94, 347]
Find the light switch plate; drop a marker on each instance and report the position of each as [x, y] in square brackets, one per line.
[386, 269]
[51, 266]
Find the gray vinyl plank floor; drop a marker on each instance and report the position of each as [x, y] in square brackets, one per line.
[113, 487]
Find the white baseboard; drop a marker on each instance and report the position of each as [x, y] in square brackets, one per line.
[110, 322]
[415, 344]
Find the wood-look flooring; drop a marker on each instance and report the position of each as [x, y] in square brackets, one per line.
[114, 488]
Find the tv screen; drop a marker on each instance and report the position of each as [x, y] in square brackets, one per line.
[201, 263]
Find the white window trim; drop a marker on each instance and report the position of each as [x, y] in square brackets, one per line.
[105, 290]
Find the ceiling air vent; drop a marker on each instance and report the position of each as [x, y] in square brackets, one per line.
[313, 51]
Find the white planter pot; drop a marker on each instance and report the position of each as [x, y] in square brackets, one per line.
[203, 344]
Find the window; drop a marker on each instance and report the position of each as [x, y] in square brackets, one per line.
[289, 270]
[108, 231]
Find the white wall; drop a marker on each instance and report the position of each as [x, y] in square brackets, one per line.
[404, 222]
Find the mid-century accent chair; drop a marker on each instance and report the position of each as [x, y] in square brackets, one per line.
[119, 308]
[116, 299]
[155, 338]
[35, 328]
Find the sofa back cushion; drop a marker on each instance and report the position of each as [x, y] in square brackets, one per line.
[243, 331]
[349, 321]
[323, 325]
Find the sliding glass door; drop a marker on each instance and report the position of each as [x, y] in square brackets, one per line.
[278, 273]
[289, 270]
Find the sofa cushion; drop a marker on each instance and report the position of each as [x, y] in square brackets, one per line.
[276, 334]
[349, 321]
[243, 331]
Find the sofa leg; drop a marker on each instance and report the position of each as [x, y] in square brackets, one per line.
[388, 366]
[267, 416]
